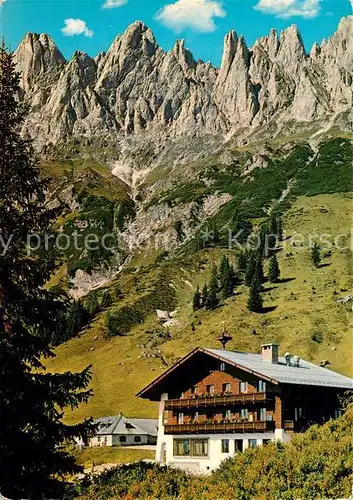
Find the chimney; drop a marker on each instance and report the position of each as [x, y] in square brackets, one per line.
[270, 353]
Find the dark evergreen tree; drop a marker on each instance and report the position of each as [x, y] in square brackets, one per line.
[92, 305]
[117, 291]
[204, 294]
[212, 297]
[242, 261]
[113, 326]
[227, 278]
[196, 303]
[107, 300]
[77, 318]
[255, 303]
[279, 229]
[316, 255]
[33, 460]
[274, 270]
[271, 238]
[259, 271]
[250, 268]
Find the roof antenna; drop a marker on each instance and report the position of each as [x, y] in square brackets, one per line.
[225, 338]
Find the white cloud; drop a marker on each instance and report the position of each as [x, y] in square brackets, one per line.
[3, 1]
[195, 14]
[111, 4]
[284, 9]
[76, 27]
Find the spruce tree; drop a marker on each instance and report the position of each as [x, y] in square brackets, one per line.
[255, 303]
[212, 297]
[250, 269]
[33, 461]
[259, 271]
[274, 270]
[107, 300]
[77, 318]
[315, 255]
[117, 291]
[196, 303]
[242, 261]
[92, 305]
[227, 278]
[280, 229]
[204, 296]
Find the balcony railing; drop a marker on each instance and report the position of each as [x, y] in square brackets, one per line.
[216, 427]
[233, 399]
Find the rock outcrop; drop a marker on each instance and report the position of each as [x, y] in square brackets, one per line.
[138, 90]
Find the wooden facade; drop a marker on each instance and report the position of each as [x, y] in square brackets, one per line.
[216, 403]
[218, 397]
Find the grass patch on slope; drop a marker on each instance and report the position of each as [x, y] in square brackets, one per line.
[111, 455]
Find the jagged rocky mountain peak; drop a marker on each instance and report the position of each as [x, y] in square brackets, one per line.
[137, 88]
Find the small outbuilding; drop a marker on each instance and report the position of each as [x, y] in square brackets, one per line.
[123, 431]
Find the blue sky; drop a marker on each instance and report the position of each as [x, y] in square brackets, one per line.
[91, 25]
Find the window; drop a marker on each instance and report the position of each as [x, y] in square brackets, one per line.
[222, 367]
[181, 447]
[225, 445]
[122, 439]
[210, 389]
[244, 413]
[298, 414]
[199, 447]
[261, 386]
[129, 426]
[238, 446]
[196, 416]
[252, 443]
[190, 447]
[180, 418]
[194, 389]
[338, 413]
[226, 388]
[99, 439]
[137, 439]
[243, 387]
[227, 414]
[266, 441]
[262, 414]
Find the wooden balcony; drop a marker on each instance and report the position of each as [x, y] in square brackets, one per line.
[231, 400]
[219, 428]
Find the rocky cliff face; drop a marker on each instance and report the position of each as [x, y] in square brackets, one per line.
[138, 90]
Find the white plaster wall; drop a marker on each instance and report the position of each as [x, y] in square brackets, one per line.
[104, 441]
[115, 441]
[215, 455]
[129, 440]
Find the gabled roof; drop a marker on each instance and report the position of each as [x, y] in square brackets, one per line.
[122, 425]
[304, 374]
